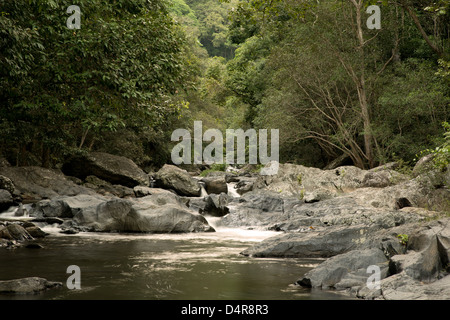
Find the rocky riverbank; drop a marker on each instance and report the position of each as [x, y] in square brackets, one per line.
[354, 218]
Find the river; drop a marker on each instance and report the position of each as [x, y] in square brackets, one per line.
[198, 266]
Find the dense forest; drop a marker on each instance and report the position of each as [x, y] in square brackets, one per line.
[136, 70]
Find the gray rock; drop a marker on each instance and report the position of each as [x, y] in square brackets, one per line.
[215, 184]
[6, 200]
[6, 184]
[105, 188]
[66, 207]
[172, 177]
[311, 243]
[142, 191]
[346, 271]
[14, 231]
[108, 167]
[31, 285]
[36, 183]
[157, 213]
[216, 205]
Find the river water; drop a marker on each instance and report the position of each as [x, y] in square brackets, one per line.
[198, 266]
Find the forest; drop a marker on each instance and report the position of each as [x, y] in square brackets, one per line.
[137, 70]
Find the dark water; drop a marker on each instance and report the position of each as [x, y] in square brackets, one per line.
[203, 266]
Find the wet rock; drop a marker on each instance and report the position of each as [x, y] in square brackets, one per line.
[172, 177]
[111, 168]
[31, 285]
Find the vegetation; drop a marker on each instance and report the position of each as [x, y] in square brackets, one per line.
[136, 70]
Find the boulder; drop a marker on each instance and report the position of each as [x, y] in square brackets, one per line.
[346, 271]
[36, 183]
[255, 209]
[6, 184]
[179, 180]
[142, 191]
[111, 168]
[215, 184]
[105, 188]
[15, 231]
[418, 270]
[423, 165]
[6, 200]
[157, 213]
[31, 285]
[216, 205]
[66, 207]
[310, 243]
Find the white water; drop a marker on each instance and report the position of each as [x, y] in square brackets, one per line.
[232, 192]
[10, 214]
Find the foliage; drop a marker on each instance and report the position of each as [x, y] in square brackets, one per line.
[441, 154]
[404, 238]
[62, 89]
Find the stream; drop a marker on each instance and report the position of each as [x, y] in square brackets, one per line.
[160, 266]
[188, 266]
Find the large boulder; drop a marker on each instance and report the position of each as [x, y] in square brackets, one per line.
[216, 205]
[111, 168]
[35, 183]
[179, 180]
[157, 213]
[255, 209]
[66, 207]
[346, 271]
[310, 243]
[417, 269]
[31, 285]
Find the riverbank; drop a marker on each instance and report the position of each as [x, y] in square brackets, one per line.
[350, 218]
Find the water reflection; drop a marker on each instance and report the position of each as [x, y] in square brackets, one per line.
[182, 266]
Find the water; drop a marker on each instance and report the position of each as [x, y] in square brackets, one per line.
[204, 266]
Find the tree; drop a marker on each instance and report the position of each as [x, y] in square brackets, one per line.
[63, 89]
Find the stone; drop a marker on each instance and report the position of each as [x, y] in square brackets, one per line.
[6, 184]
[36, 183]
[6, 200]
[111, 168]
[311, 243]
[216, 205]
[179, 180]
[31, 285]
[14, 231]
[215, 184]
[142, 191]
[346, 271]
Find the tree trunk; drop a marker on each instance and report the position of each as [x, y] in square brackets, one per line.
[362, 90]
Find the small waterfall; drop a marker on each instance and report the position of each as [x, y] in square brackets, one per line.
[232, 192]
[19, 213]
[203, 192]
